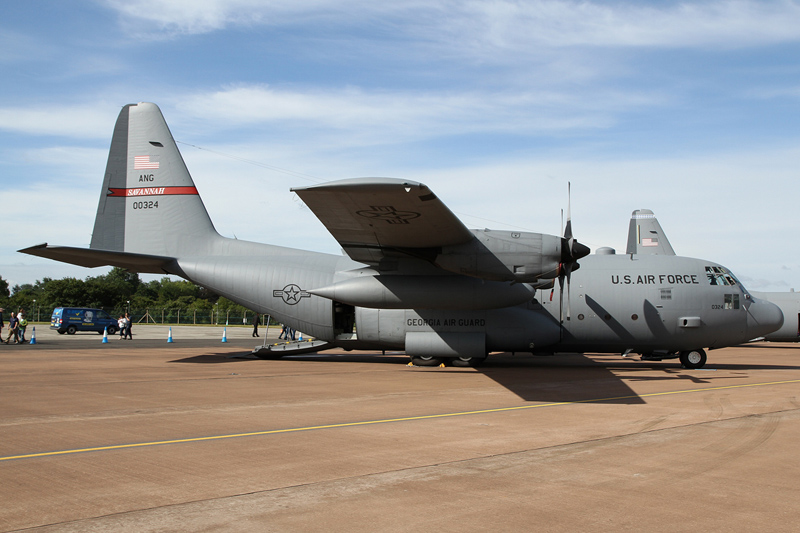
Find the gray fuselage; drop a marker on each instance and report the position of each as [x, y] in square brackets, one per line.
[616, 303]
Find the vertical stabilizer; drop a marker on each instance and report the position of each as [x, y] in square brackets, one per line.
[645, 236]
[148, 203]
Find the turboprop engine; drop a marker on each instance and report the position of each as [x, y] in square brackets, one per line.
[510, 256]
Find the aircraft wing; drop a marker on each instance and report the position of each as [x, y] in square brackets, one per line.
[373, 218]
[645, 236]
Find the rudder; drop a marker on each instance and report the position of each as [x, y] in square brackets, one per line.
[149, 203]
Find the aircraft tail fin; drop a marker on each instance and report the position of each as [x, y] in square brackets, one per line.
[645, 236]
[148, 203]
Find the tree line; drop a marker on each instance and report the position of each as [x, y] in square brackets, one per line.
[117, 291]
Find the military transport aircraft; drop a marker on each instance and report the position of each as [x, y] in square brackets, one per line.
[645, 236]
[414, 278]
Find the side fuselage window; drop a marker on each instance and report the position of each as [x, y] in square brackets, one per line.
[731, 301]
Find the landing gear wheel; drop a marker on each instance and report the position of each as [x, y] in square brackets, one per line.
[693, 359]
[467, 361]
[71, 330]
[426, 360]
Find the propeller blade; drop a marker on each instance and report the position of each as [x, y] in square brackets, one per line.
[571, 251]
[568, 228]
[561, 299]
[569, 278]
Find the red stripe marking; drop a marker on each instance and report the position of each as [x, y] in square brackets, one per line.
[151, 191]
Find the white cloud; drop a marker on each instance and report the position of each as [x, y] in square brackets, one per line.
[201, 16]
[502, 24]
[725, 23]
[370, 117]
[60, 212]
[366, 117]
[90, 121]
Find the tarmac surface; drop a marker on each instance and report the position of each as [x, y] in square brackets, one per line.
[145, 435]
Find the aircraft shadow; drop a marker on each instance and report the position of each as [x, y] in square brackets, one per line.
[227, 357]
[559, 378]
[562, 378]
[550, 379]
[211, 358]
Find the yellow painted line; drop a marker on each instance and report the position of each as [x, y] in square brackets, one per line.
[385, 421]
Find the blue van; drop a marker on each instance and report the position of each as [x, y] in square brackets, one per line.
[72, 319]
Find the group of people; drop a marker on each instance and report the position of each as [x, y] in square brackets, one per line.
[125, 324]
[287, 333]
[17, 325]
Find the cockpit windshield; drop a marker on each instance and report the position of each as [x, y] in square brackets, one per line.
[719, 276]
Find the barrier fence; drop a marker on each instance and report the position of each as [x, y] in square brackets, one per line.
[169, 316]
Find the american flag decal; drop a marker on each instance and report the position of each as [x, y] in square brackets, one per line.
[650, 242]
[142, 162]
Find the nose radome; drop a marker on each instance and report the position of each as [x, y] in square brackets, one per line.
[763, 317]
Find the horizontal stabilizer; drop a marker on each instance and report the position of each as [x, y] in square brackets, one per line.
[150, 264]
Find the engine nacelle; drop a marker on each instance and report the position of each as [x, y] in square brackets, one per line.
[504, 256]
[426, 292]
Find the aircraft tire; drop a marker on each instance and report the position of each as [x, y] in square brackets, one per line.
[71, 330]
[426, 360]
[693, 359]
[467, 361]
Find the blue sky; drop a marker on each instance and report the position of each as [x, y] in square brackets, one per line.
[691, 109]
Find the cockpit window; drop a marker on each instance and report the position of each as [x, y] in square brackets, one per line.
[719, 276]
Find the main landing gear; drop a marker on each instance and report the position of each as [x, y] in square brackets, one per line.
[693, 358]
[428, 360]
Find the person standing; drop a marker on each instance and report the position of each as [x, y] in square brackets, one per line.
[121, 324]
[255, 325]
[1, 323]
[22, 325]
[128, 325]
[12, 328]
